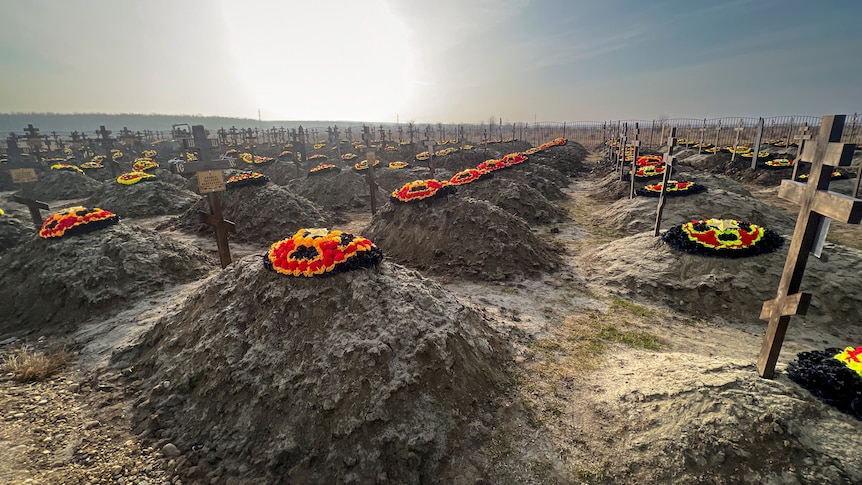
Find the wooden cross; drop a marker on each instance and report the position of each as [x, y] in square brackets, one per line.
[335, 137]
[816, 202]
[717, 134]
[234, 135]
[461, 136]
[803, 137]
[400, 134]
[127, 137]
[669, 161]
[411, 131]
[635, 143]
[12, 149]
[222, 136]
[430, 143]
[369, 177]
[211, 182]
[301, 134]
[382, 133]
[790, 132]
[757, 140]
[702, 137]
[622, 150]
[23, 172]
[739, 129]
[107, 143]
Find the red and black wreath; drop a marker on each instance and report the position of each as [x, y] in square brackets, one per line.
[674, 188]
[728, 238]
[422, 190]
[77, 220]
[315, 252]
[467, 176]
[829, 374]
[323, 168]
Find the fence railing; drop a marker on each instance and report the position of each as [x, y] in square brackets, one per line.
[651, 133]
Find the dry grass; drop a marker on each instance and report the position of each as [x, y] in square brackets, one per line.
[27, 365]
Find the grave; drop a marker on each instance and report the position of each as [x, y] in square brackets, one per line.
[816, 203]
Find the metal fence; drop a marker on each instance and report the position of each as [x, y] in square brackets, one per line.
[651, 133]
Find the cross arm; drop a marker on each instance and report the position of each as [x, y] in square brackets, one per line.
[836, 155]
[833, 205]
[795, 304]
[216, 221]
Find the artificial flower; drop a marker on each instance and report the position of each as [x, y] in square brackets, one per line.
[131, 178]
[722, 237]
[76, 220]
[422, 190]
[315, 252]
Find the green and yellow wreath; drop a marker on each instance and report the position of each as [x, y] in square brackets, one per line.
[131, 178]
[66, 167]
[143, 164]
[779, 163]
[398, 165]
[674, 188]
[322, 169]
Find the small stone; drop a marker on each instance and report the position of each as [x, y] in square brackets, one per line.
[170, 450]
[75, 387]
[91, 424]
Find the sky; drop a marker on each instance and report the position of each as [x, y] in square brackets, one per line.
[432, 61]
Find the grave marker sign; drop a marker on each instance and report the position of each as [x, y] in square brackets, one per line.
[816, 202]
[23, 172]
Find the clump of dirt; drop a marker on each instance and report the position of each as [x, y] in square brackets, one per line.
[567, 159]
[724, 199]
[515, 197]
[15, 229]
[263, 215]
[63, 185]
[461, 236]
[733, 289]
[147, 198]
[337, 192]
[610, 188]
[369, 376]
[52, 284]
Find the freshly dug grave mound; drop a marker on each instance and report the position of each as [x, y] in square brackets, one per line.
[514, 197]
[461, 236]
[732, 289]
[342, 191]
[52, 284]
[281, 172]
[263, 215]
[15, 228]
[463, 159]
[567, 159]
[724, 199]
[610, 188]
[543, 178]
[694, 418]
[63, 185]
[147, 198]
[739, 169]
[392, 179]
[368, 376]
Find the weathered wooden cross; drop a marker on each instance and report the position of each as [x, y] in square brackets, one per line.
[739, 129]
[816, 202]
[669, 162]
[758, 139]
[802, 138]
[34, 140]
[430, 144]
[370, 156]
[635, 143]
[621, 161]
[717, 134]
[22, 171]
[211, 182]
[107, 144]
[301, 138]
[234, 135]
[127, 137]
[702, 137]
[411, 130]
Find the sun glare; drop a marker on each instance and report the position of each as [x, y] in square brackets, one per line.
[331, 59]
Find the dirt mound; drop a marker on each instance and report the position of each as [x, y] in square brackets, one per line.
[461, 236]
[147, 198]
[370, 376]
[610, 188]
[733, 289]
[281, 172]
[342, 191]
[63, 185]
[52, 284]
[697, 419]
[263, 215]
[567, 159]
[739, 169]
[15, 229]
[543, 178]
[515, 197]
[724, 199]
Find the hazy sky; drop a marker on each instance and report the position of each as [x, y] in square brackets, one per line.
[440, 60]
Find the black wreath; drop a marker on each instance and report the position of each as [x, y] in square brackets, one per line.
[695, 189]
[829, 379]
[676, 238]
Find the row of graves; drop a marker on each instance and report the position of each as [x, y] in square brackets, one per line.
[352, 363]
[297, 333]
[728, 257]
